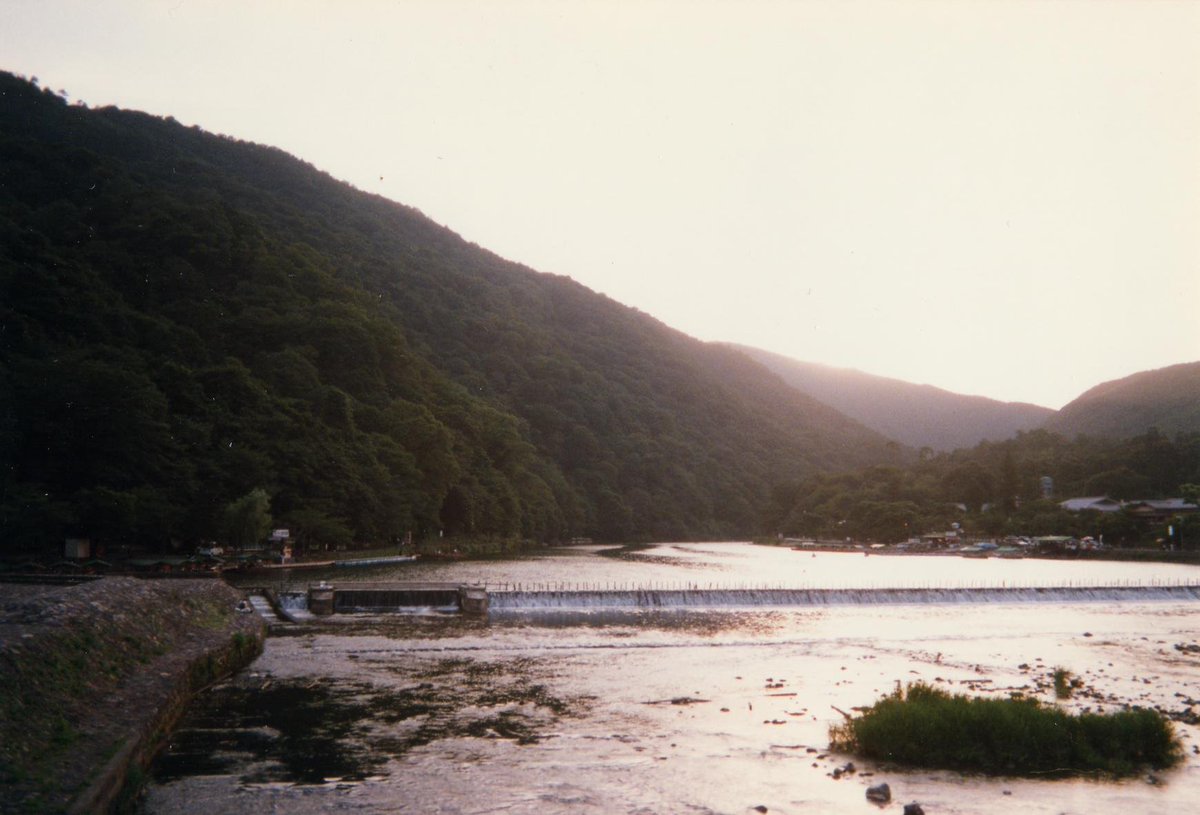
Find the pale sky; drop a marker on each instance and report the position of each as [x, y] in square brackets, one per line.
[997, 198]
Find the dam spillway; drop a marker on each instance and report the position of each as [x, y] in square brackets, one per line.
[343, 598]
[447, 597]
[734, 598]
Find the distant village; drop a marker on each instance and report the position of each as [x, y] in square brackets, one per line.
[1164, 513]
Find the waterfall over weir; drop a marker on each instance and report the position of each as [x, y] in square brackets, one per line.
[732, 598]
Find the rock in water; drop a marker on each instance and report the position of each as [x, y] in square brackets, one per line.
[880, 793]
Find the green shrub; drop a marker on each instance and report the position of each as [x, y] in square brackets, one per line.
[1062, 683]
[927, 727]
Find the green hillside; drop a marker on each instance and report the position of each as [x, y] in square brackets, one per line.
[1167, 399]
[185, 319]
[916, 415]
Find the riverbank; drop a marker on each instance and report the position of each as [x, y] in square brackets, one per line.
[1142, 555]
[93, 676]
[457, 548]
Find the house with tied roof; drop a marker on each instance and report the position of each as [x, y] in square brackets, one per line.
[1159, 511]
[1148, 509]
[1097, 503]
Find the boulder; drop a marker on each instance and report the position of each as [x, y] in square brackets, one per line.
[880, 793]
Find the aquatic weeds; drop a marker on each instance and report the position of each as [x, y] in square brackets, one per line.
[1062, 683]
[314, 730]
[927, 727]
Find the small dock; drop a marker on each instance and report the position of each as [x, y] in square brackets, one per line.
[341, 598]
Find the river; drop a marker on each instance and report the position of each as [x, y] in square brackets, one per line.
[677, 709]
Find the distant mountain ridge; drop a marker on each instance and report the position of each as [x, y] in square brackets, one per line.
[915, 415]
[1167, 399]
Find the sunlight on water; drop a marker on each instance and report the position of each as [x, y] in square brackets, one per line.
[671, 710]
[736, 565]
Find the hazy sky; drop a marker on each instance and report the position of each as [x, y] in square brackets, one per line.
[999, 198]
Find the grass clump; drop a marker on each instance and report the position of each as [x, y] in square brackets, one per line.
[924, 726]
[1063, 686]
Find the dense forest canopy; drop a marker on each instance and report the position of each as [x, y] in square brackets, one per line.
[188, 322]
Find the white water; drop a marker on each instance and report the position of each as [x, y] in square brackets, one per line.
[751, 598]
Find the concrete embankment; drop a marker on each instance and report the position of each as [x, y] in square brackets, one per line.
[94, 676]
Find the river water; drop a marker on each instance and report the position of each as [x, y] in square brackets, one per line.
[675, 709]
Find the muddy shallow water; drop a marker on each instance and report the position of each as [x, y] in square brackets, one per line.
[627, 711]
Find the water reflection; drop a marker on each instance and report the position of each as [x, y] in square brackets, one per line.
[739, 565]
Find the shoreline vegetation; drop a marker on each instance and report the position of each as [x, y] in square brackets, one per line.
[924, 726]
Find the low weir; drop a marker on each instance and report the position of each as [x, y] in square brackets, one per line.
[375, 597]
[449, 597]
[729, 598]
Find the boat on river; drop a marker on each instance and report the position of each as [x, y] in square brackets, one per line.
[310, 565]
[374, 561]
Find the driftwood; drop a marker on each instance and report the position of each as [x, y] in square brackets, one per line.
[678, 700]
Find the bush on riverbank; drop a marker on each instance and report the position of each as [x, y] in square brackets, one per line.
[927, 727]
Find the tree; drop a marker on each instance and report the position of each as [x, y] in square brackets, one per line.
[969, 484]
[247, 520]
[1010, 482]
[1119, 482]
[313, 530]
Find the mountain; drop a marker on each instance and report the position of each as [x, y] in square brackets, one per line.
[916, 415]
[1167, 399]
[188, 321]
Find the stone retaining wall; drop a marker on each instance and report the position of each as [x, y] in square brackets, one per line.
[94, 676]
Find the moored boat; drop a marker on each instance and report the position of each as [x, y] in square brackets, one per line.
[374, 561]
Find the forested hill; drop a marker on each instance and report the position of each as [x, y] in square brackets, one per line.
[917, 415]
[186, 319]
[1167, 399]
